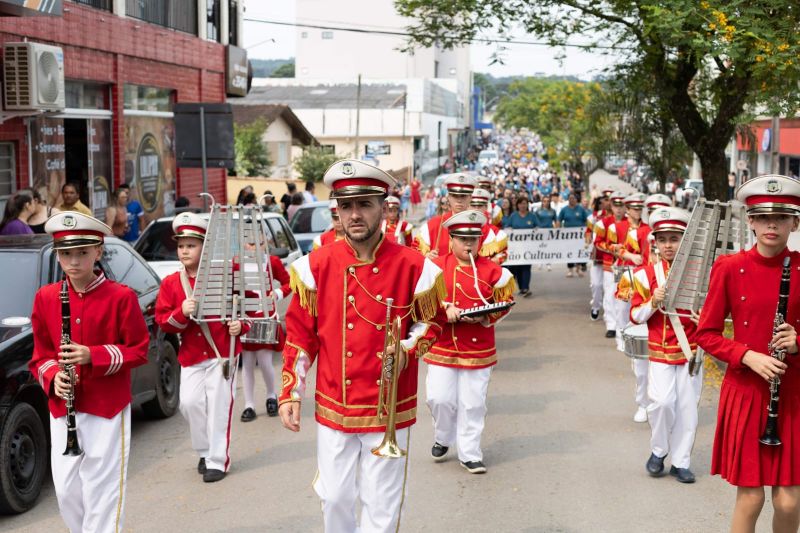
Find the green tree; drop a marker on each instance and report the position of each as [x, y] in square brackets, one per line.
[314, 162]
[284, 71]
[252, 158]
[710, 61]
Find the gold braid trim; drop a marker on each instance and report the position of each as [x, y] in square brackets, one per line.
[491, 248]
[307, 296]
[426, 304]
[506, 292]
[422, 246]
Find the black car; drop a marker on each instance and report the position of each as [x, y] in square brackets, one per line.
[28, 262]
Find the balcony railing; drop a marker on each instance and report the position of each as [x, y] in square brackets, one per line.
[105, 5]
[179, 15]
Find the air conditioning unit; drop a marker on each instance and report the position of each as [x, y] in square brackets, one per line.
[34, 77]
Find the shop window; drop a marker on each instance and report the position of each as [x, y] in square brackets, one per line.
[213, 20]
[82, 95]
[283, 154]
[176, 14]
[7, 170]
[105, 5]
[140, 98]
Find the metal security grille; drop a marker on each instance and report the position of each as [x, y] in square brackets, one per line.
[179, 15]
[7, 170]
[105, 5]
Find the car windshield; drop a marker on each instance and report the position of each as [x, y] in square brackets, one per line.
[20, 283]
[311, 220]
[157, 243]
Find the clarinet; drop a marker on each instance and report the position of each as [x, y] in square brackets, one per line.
[770, 436]
[73, 447]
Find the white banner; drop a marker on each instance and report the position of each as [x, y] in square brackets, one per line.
[547, 245]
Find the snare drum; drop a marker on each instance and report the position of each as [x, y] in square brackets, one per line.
[262, 332]
[635, 338]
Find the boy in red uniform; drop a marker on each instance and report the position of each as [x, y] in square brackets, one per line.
[394, 229]
[460, 362]
[745, 286]
[337, 318]
[108, 337]
[263, 353]
[336, 233]
[593, 228]
[604, 251]
[672, 391]
[432, 240]
[206, 396]
[495, 247]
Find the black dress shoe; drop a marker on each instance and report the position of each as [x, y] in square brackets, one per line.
[438, 452]
[201, 466]
[248, 414]
[684, 475]
[272, 407]
[655, 465]
[474, 467]
[595, 315]
[212, 475]
[610, 334]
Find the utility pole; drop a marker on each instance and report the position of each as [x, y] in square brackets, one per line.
[775, 146]
[356, 154]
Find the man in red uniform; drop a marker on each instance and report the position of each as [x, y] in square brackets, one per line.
[495, 211]
[433, 240]
[107, 338]
[394, 229]
[337, 317]
[335, 233]
[460, 362]
[604, 252]
[495, 246]
[672, 391]
[745, 287]
[206, 395]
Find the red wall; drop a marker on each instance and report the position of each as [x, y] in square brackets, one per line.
[102, 47]
[789, 135]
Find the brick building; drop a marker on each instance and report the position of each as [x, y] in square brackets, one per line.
[125, 63]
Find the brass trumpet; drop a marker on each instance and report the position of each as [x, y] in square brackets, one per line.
[387, 392]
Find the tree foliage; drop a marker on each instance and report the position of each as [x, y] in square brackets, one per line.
[252, 157]
[709, 61]
[314, 162]
[284, 71]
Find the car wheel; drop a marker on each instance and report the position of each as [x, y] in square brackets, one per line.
[168, 381]
[23, 459]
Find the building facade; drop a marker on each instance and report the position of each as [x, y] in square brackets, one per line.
[125, 64]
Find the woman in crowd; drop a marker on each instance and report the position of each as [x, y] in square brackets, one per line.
[117, 214]
[19, 209]
[270, 205]
[297, 201]
[42, 211]
[522, 218]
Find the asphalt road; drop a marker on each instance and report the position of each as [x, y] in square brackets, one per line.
[562, 451]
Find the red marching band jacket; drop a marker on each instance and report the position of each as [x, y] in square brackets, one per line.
[278, 273]
[464, 345]
[347, 336]
[433, 236]
[169, 316]
[601, 246]
[106, 318]
[399, 232]
[325, 238]
[635, 241]
[662, 343]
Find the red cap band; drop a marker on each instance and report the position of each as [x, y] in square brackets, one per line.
[75, 232]
[772, 199]
[194, 229]
[359, 182]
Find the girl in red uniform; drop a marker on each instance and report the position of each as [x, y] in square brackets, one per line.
[745, 286]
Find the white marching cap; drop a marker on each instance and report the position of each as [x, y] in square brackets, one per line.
[190, 225]
[770, 193]
[669, 219]
[71, 229]
[466, 223]
[353, 178]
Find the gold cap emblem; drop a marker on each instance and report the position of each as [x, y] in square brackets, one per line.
[69, 221]
[348, 169]
[773, 186]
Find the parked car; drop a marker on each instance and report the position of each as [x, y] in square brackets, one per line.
[160, 250]
[687, 196]
[308, 221]
[29, 262]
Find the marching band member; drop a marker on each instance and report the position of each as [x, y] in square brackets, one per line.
[496, 214]
[335, 233]
[593, 229]
[460, 362]
[263, 353]
[206, 397]
[602, 247]
[106, 336]
[745, 286]
[495, 246]
[672, 391]
[337, 317]
[432, 240]
[394, 229]
[628, 258]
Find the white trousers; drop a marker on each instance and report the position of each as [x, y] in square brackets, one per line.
[609, 302]
[596, 283]
[347, 471]
[207, 404]
[264, 358]
[623, 310]
[672, 413]
[457, 400]
[640, 372]
[90, 488]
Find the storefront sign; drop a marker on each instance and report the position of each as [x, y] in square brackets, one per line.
[27, 8]
[236, 71]
[551, 246]
[150, 163]
[378, 148]
[48, 161]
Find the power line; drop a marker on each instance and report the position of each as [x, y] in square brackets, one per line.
[405, 34]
